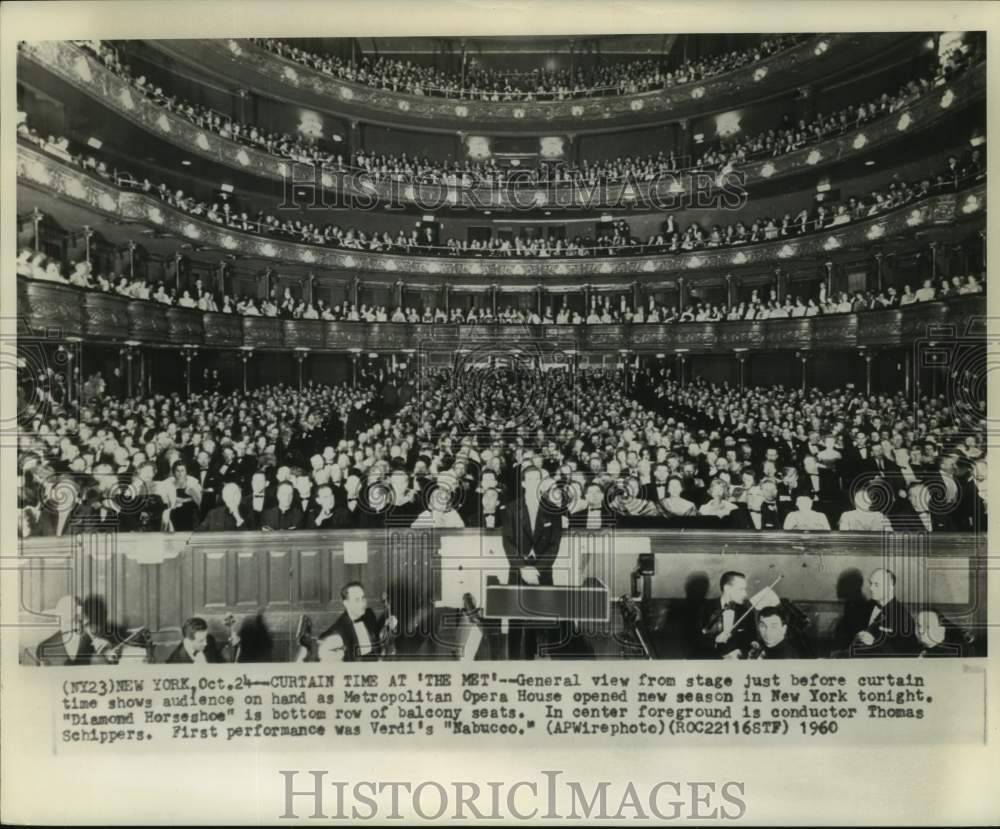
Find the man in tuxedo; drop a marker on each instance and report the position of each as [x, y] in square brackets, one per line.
[879, 466]
[956, 495]
[889, 629]
[594, 514]
[304, 499]
[360, 630]
[656, 491]
[329, 515]
[531, 538]
[284, 515]
[210, 485]
[258, 499]
[727, 623]
[491, 511]
[230, 516]
[197, 646]
[78, 640]
[531, 533]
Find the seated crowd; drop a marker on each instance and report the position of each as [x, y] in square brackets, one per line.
[449, 451]
[603, 310]
[724, 154]
[613, 78]
[619, 239]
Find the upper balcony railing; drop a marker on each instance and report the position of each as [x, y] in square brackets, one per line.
[668, 190]
[99, 317]
[72, 183]
[816, 58]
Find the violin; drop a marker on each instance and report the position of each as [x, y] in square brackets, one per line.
[388, 634]
[139, 639]
[234, 638]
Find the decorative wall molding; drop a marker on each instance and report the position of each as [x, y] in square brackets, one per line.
[57, 177]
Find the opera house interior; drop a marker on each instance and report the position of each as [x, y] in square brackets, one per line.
[617, 347]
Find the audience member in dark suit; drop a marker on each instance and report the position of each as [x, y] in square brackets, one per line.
[594, 515]
[329, 515]
[258, 499]
[284, 515]
[491, 512]
[230, 516]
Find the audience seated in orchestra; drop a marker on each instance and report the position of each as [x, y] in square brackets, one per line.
[761, 459]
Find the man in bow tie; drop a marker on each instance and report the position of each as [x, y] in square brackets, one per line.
[258, 499]
[889, 628]
[360, 630]
[727, 623]
[532, 534]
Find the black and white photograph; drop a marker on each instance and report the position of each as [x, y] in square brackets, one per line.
[559, 355]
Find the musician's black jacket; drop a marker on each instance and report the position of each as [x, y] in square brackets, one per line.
[743, 635]
[344, 627]
[893, 629]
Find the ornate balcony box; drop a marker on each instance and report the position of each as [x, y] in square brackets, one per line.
[184, 326]
[303, 333]
[106, 315]
[222, 329]
[51, 309]
[263, 332]
[148, 321]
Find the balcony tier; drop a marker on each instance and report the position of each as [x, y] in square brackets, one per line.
[66, 181]
[97, 317]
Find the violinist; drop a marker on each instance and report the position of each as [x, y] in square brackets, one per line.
[727, 629]
[83, 637]
[772, 631]
[363, 635]
[197, 646]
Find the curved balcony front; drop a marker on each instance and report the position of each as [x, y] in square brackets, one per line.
[96, 317]
[56, 177]
[86, 74]
[257, 68]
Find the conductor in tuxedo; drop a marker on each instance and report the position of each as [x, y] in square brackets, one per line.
[532, 533]
[359, 629]
[889, 628]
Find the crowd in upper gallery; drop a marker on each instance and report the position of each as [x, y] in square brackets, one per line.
[724, 154]
[603, 310]
[449, 452]
[620, 77]
[956, 173]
